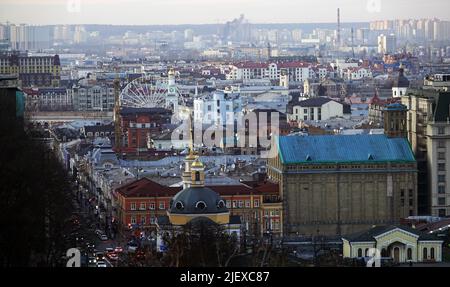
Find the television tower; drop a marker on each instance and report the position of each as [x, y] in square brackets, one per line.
[338, 41]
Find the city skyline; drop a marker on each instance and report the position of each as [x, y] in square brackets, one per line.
[158, 12]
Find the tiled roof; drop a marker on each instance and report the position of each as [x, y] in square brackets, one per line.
[343, 148]
[146, 187]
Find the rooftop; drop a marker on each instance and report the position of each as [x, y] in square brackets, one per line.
[343, 149]
[314, 102]
[369, 235]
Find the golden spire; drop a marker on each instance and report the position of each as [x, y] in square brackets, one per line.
[191, 155]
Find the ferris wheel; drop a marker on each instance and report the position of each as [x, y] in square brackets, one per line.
[148, 91]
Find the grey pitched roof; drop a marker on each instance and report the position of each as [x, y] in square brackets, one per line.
[314, 102]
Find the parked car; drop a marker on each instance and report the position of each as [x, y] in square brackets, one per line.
[101, 264]
[118, 249]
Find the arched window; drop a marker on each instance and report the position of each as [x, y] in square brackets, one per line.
[384, 253]
[432, 252]
[409, 254]
[197, 176]
[425, 253]
[366, 252]
[359, 252]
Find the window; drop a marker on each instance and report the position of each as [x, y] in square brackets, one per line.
[441, 130]
[228, 204]
[142, 207]
[133, 219]
[441, 155]
[305, 118]
[425, 253]
[305, 111]
[441, 166]
[359, 252]
[197, 176]
[152, 206]
[247, 204]
[133, 206]
[432, 252]
[441, 178]
[234, 204]
[256, 203]
[441, 189]
[241, 204]
[441, 213]
[142, 220]
[441, 144]
[152, 220]
[162, 205]
[441, 201]
[409, 254]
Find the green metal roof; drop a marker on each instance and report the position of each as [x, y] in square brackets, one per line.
[343, 149]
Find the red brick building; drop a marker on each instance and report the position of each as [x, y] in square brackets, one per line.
[138, 124]
[139, 203]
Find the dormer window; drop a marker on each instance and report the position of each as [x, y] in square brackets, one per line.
[197, 176]
[201, 205]
[370, 156]
[221, 204]
[179, 205]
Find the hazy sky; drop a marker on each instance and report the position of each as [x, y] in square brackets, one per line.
[214, 11]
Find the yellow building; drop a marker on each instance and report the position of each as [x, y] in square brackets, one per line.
[401, 243]
[33, 71]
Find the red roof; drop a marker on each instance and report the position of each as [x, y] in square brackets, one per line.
[293, 65]
[145, 187]
[251, 65]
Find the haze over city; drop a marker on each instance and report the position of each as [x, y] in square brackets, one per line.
[151, 12]
[224, 133]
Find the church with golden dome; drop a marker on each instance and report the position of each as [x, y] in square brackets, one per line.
[196, 202]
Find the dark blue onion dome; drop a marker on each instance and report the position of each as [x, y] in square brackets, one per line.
[197, 200]
[401, 81]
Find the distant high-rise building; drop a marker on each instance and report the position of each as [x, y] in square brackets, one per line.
[387, 44]
[24, 37]
[80, 35]
[188, 35]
